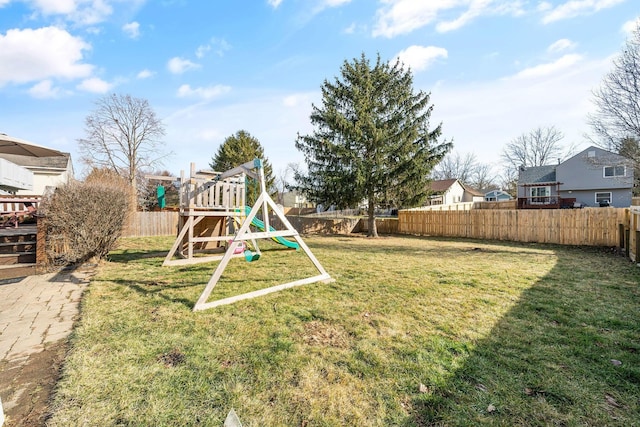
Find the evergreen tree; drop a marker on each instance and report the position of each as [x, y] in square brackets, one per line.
[239, 149]
[371, 141]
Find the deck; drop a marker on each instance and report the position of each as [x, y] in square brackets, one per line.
[546, 202]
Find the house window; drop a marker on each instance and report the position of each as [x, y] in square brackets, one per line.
[591, 153]
[613, 171]
[603, 198]
[540, 194]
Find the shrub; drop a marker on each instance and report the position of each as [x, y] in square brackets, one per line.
[85, 219]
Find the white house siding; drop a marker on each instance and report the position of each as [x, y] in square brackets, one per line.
[455, 194]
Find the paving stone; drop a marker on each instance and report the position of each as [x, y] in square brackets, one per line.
[55, 337]
[6, 344]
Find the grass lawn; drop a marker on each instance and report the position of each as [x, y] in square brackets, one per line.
[413, 332]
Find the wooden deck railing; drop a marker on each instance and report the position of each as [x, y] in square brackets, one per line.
[546, 202]
[10, 204]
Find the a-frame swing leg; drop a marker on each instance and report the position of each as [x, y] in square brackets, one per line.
[245, 234]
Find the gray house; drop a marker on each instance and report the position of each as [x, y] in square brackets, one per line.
[593, 177]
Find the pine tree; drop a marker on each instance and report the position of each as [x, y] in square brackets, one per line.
[239, 149]
[371, 141]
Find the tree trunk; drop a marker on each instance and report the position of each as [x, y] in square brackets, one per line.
[373, 231]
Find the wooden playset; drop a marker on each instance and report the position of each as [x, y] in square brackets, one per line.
[215, 224]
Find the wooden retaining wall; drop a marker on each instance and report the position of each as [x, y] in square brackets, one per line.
[383, 225]
[166, 224]
[588, 226]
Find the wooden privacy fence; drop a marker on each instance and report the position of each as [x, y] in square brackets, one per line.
[632, 239]
[588, 226]
[467, 206]
[140, 224]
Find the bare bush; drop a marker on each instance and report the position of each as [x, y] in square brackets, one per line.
[85, 219]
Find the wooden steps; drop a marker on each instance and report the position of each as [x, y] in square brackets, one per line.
[18, 252]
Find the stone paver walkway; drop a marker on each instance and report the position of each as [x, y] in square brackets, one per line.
[35, 312]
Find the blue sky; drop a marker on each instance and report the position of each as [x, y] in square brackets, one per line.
[495, 68]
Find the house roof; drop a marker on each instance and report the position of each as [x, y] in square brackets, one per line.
[472, 191]
[496, 192]
[537, 175]
[441, 185]
[56, 162]
[602, 155]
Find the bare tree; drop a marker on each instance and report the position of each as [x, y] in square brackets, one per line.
[617, 100]
[539, 147]
[508, 180]
[466, 169]
[283, 180]
[484, 177]
[456, 166]
[123, 134]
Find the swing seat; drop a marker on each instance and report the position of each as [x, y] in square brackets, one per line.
[240, 249]
[251, 256]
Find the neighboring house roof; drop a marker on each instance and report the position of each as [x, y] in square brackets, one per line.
[472, 191]
[537, 175]
[57, 162]
[441, 185]
[496, 193]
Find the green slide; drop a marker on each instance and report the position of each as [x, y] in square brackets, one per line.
[258, 223]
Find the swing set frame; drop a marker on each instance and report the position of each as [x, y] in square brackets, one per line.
[229, 187]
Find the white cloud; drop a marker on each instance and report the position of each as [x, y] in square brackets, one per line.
[296, 100]
[55, 7]
[543, 6]
[575, 8]
[132, 29]
[419, 58]
[219, 46]
[630, 26]
[477, 8]
[274, 3]
[202, 50]
[484, 116]
[145, 74]
[84, 12]
[398, 17]
[545, 70]
[94, 85]
[267, 117]
[560, 45]
[335, 3]
[44, 89]
[178, 65]
[210, 92]
[326, 4]
[209, 134]
[33, 55]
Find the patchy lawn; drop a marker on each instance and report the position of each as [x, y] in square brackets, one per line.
[413, 332]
